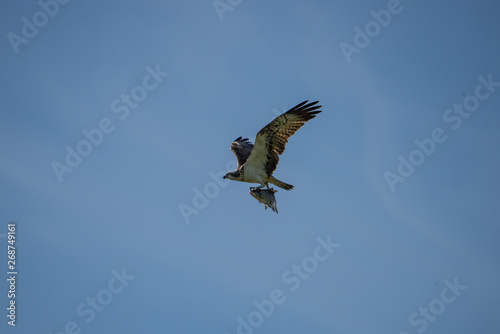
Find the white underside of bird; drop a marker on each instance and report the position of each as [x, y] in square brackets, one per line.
[252, 174]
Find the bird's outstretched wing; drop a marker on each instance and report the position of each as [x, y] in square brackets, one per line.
[241, 149]
[271, 140]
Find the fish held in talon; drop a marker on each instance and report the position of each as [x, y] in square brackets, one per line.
[266, 197]
[257, 162]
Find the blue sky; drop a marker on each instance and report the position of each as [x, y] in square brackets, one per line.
[162, 88]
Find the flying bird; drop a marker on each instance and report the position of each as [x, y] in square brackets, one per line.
[256, 163]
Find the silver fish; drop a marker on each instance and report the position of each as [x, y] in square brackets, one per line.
[265, 196]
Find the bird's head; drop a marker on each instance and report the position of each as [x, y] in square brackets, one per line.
[233, 175]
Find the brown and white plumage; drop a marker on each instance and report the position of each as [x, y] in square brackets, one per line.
[256, 163]
[241, 149]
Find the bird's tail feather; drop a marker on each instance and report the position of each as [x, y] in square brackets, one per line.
[280, 184]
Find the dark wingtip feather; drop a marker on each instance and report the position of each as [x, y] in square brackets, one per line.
[311, 106]
[300, 104]
[306, 107]
[239, 139]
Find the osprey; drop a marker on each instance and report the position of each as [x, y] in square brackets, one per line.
[256, 163]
